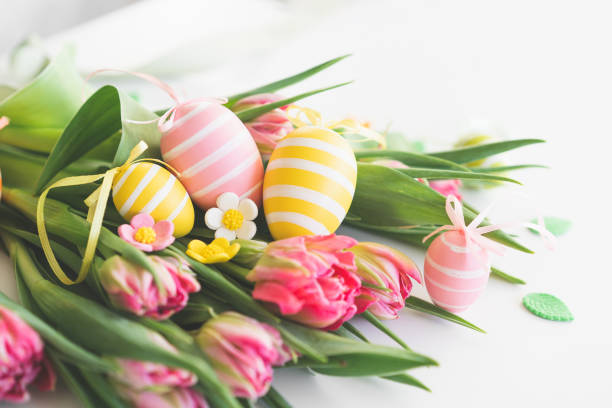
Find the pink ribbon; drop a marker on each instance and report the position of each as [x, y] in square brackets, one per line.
[165, 122]
[474, 234]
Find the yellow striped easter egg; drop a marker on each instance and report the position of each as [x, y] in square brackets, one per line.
[149, 188]
[309, 183]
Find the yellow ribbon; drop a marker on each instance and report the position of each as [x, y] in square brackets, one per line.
[96, 202]
[345, 126]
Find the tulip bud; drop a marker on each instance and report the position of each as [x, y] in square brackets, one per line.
[249, 253]
[132, 288]
[309, 279]
[174, 398]
[385, 274]
[142, 375]
[21, 359]
[268, 128]
[242, 352]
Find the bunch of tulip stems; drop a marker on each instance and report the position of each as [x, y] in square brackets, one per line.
[172, 348]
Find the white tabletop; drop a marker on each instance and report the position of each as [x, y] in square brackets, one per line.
[536, 69]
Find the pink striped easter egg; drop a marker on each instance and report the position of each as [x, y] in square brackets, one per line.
[213, 152]
[455, 275]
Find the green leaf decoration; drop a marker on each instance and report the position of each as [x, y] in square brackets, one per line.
[469, 154]
[547, 307]
[435, 174]
[407, 379]
[40, 111]
[557, 226]
[423, 306]
[410, 159]
[348, 357]
[388, 198]
[506, 277]
[250, 114]
[285, 82]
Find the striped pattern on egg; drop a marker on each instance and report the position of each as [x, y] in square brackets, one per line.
[455, 275]
[149, 188]
[214, 153]
[309, 183]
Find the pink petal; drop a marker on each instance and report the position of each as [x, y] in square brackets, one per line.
[275, 293]
[142, 220]
[164, 228]
[162, 242]
[126, 232]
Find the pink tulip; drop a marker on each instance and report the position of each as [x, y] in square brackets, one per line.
[132, 288]
[309, 279]
[146, 234]
[387, 273]
[268, 128]
[446, 187]
[140, 375]
[22, 361]
[242, 352]
[173, 398]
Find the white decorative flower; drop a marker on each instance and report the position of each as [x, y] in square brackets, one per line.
[232, 218]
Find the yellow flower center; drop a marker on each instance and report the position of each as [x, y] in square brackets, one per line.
[145, 235]
[232, 219]
[210, 251]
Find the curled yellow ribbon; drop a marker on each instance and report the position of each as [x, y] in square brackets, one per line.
[96, 202]
[345, 126]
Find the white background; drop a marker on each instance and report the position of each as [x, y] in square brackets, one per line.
[534, 69]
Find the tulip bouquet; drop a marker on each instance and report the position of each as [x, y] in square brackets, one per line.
[130, 310]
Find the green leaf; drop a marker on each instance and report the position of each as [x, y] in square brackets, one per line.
[250, 114]
[103, 389]
[469, 154]
[502, 169]
[97, 120]
[423, 306]
[72, 381]
[547, 307]
[407, 379]
[274, 399]
[388, 198]
[40, 110]
[355, 331]
[435, 174]
[348, 357]
[508, 278]
[557, 226]
[380, 326]
[283, 83]
[410, 159]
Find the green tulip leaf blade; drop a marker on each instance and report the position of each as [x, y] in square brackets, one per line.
[285, 82]
[407, 379]
[423, 306]
[506, 277]
[469, 154]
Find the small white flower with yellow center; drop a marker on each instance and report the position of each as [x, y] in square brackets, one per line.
[232, 218]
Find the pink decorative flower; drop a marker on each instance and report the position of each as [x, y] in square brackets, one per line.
[268, 129]
[132, 288]
[310, 279]
[387, 273]
[242, 352]
[21, 359]
[173, 398]
[446, 187]
[146, 234]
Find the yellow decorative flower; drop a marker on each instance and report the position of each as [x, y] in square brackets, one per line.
[217, 251]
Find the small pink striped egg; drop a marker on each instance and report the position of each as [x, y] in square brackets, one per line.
[213, 152]
[455, 275]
